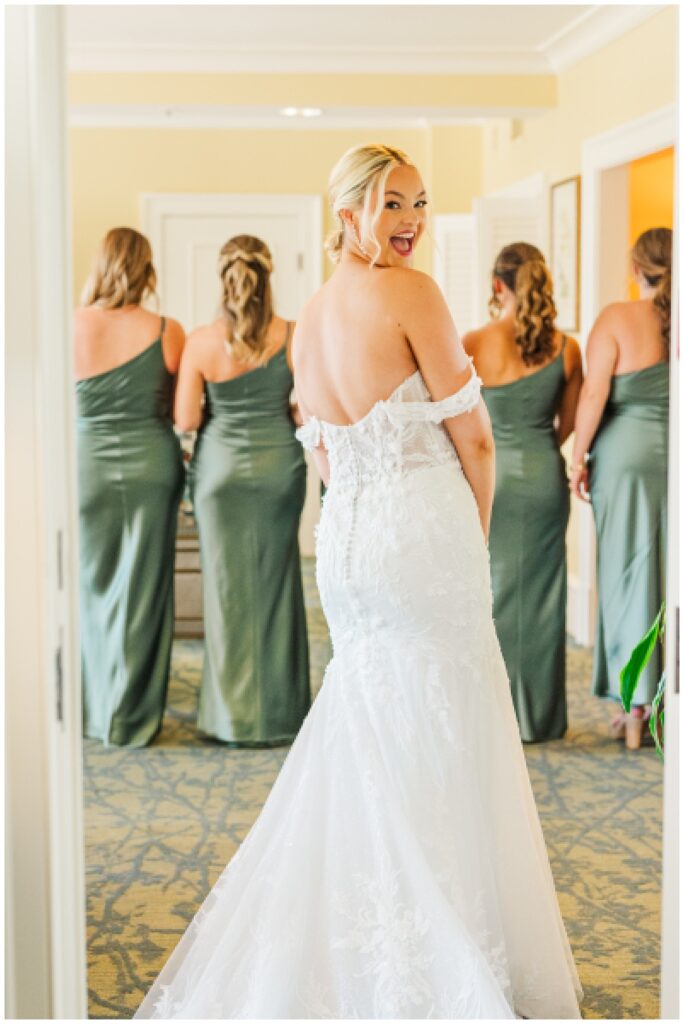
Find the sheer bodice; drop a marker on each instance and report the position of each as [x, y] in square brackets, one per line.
[399, 434]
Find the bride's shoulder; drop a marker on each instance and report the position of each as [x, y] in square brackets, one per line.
[412, 293]
[407, 284]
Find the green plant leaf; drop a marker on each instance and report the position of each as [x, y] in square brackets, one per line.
[638, 660]
[657, 720]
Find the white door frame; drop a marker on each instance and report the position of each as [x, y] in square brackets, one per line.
[628, 142]
[45, 878]
[156, 208]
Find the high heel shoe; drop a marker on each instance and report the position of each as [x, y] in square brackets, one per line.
[634, 728]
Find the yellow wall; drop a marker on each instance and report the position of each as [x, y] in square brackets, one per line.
[630, 77]
[651, 197]
[345, 90]
[112, 167]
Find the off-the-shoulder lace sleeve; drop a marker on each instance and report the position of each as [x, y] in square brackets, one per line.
[309, 435]
[464, 400]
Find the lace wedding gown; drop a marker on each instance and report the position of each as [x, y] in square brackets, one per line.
[398, 868]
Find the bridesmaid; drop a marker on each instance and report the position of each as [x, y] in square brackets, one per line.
[130, 481]
[532, 375]
[620, 464]
[248, 481]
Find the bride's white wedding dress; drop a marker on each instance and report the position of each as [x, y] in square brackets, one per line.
[398, 868]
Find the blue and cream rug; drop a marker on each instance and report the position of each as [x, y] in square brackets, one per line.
[162, 822]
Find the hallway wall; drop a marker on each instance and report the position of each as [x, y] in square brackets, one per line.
[630, 77]
[112, 167]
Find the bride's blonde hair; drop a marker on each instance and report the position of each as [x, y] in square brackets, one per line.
[123, 273]
[357, 182]
[245, 266]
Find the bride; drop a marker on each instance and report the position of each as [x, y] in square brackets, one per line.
[398, 868]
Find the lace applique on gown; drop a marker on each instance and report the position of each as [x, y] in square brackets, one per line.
[398, 868]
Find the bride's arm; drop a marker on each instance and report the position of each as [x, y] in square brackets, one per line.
[445, 368]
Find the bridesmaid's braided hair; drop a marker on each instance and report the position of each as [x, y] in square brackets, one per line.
[245, 266]
[523, 270]
[123, 273]
[652, 254]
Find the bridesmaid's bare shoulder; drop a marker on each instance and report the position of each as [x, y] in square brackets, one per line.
[88, 320]
[619, 314]
[173, 343]
[203, 340]
[572, 357]
[474, 339]
[483, 340]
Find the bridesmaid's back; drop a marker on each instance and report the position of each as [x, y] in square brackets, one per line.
[528, 405]
[522, 399]
[253, 406]
[124, 361]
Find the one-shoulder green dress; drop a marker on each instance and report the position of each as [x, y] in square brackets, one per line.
[527, 547]
[628, 482]
[248, 482]
[130, 476]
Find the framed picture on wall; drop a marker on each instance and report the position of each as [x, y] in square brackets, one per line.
[565, 251]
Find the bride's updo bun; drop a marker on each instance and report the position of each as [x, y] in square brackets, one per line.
[522, 268]
[245, 266]
[357, 182]
[652, 254]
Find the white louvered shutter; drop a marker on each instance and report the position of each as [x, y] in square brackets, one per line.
[454, 265]
[498, 222]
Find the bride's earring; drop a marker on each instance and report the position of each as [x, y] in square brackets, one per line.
[360, 243]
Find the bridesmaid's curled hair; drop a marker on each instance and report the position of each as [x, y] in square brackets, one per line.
[123, 273]
[652, 254]
[245, 266]
[522, 268]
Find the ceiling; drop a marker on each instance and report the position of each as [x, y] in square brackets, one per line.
[409, 39]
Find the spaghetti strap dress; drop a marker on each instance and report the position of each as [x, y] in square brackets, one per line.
[130, 476]
[527, 547]
[628, 480]
[248, 482]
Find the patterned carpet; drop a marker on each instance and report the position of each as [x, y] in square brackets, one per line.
[162, 822]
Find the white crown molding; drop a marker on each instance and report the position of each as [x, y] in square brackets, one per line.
[104, 115]
[585, 33]
[98, 57]
[592, 30]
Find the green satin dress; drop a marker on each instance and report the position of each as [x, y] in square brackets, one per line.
[527, 547]
[628, 482]
[130, 476]
[248, 482]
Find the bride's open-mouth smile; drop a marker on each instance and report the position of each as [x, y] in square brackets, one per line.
[403, 243]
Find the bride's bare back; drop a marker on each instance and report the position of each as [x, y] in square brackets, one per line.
[350, 350]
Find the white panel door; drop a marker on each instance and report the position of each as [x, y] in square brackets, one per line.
[500, 221]
[453, 264]
[187, 232]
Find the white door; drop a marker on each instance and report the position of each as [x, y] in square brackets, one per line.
[187, 232]
[500, 221]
